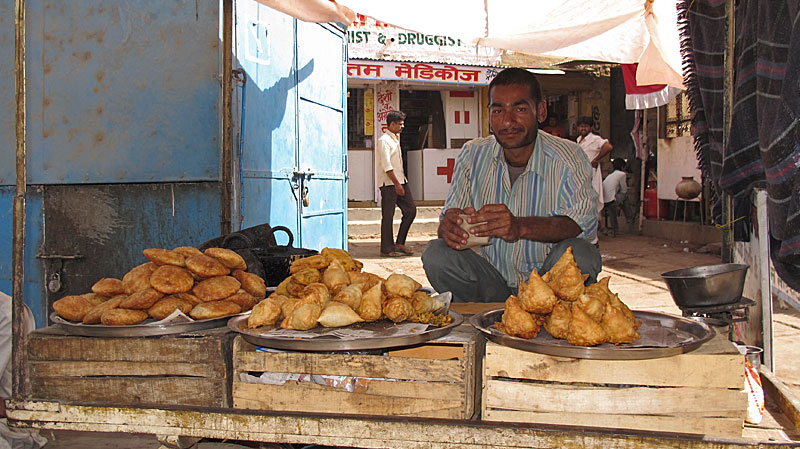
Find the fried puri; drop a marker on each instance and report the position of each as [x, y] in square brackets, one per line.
[123, 317]
[245, 300]
[216, 288]
[108, 287]
[161, 256]
[138, 278]
[228, 257]
[187, 251]
[214, 309]
[171, 279]
[168, 304]
[73, 307]
[194, 300]
[206, 266]
[94, 314]
[251, 283]
[142, 300]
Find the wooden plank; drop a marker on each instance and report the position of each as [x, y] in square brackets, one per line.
[164, 349]
[308, 397]
[716, 364]
[351, 365]
[366, 432]
[635, 400]
[376, 387]
[438, 352]
[132, 391]
[84, 369]
[722, 426]
[776, 392]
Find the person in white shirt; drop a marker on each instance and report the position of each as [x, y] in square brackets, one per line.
[394, 188]
[615, 189]
[596, 148]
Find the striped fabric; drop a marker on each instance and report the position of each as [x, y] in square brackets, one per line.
[764, 145]
[556, 182]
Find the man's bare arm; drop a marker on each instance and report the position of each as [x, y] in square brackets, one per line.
[503, 224]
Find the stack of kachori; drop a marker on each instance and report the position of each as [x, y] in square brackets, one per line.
[202, 284]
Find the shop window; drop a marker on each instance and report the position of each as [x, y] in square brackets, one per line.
[674, 118]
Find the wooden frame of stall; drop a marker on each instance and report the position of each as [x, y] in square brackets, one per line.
[181, 426]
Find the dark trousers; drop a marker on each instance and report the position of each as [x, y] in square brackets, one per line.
[611, 212]
[471, 278]
[390, 199]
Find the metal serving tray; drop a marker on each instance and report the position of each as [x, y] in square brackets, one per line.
[144, 329]
[320, 338]
[691, 333]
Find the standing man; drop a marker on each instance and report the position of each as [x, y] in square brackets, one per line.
[394, 188]
[528, 191]
[615, 187]
[596, 148]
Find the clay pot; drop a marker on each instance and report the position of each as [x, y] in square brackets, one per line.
[688, 188]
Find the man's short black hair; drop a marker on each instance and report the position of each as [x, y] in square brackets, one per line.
[618, 164]
[518, 76]
[395, 117]
[586, 120]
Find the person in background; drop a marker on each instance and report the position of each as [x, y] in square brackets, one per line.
[596, 148]
[530, 193]
[553, 128]
[12, 437]
[394, 188]
[615, 189]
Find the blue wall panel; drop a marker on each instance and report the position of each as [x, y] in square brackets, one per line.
[34, 293]
[321, 46]
[7, 100]
[119, 91]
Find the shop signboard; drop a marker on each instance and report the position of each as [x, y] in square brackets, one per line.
[421, 72]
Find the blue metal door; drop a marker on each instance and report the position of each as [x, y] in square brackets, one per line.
[123, 102]
[290, 107]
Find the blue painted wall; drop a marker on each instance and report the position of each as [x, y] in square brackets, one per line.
[117, 91]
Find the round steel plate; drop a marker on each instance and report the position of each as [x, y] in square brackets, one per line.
[138, 330]
[322, 342]
[697, 333]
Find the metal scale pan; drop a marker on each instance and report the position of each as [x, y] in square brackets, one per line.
[679, 335]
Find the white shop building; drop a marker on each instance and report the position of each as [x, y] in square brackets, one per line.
[438, 81]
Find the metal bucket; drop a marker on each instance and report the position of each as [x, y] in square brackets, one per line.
[752, 354]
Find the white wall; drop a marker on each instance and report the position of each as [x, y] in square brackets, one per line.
[676, 159]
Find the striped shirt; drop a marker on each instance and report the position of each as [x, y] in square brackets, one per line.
[556, 182]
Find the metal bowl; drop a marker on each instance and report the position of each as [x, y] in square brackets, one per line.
[707, 285]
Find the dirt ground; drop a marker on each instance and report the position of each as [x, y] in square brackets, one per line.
[634, 263]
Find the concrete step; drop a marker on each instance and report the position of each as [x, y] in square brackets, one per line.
[366, 221]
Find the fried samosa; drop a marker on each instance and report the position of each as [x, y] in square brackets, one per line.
[398, 308]
[401, 285]
[337, 314]
[265, 313]
[334, 277]
[516, 321]
[350, 295]
[536, 296]
[370, 308]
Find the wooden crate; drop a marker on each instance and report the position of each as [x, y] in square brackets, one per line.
[186, 369]
[436, 379]
[700, 392]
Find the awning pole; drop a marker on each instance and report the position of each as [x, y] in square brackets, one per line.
[227, 119]
[18, 250]
[727, 94]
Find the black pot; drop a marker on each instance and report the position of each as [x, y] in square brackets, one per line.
[275, 260]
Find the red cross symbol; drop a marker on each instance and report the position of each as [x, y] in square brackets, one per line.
[448, 169]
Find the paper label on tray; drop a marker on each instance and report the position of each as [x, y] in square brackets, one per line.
[175, 317]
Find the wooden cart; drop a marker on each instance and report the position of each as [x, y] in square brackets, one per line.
[183, 424]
